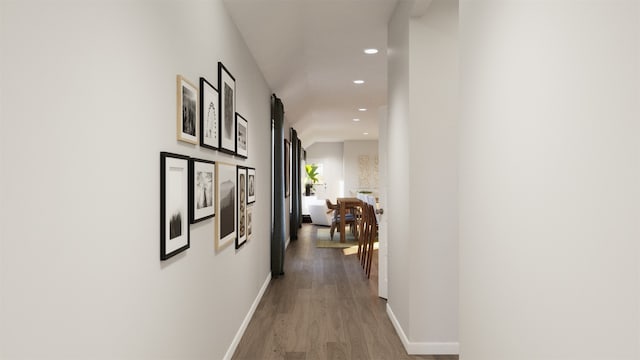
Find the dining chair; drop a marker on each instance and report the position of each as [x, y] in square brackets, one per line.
[364, 231]
[369, 234]
[349, 218]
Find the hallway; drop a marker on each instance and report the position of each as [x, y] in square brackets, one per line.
[323, 308]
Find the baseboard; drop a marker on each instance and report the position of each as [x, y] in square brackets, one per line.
[422, 348]
[247, 319]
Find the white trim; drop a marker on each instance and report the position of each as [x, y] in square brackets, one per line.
[435, 348]
[396, 325]
[247, 319]
[286, 244]
[422, 348]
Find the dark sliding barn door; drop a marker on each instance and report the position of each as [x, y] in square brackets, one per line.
[278, 230]
[296, 186]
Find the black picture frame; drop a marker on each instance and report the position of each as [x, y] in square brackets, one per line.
[287, 168]
[174, 204]
[226, 213]
[227, 106]
[242, 206]
[209, 115]
[202, 192]
[251, 185]
[242, 136]
[187, 110]
[249, 222]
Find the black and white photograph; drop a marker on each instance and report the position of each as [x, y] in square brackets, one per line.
[249, 222]
[209, 115]
[174, 204]
[242, 130]
[227, 204]
[187, 104]
[202, 174]
[251, 185]
[242, 206]
[227, 89]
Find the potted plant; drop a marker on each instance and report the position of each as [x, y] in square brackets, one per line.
[312, 178]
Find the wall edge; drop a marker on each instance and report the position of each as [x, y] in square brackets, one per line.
[243, 327]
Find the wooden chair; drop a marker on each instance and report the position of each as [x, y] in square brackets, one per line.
[350, 219]
[365, 230]
[373, 236]
[368, 236]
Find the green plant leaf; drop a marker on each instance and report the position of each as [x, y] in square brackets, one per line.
[312, 172]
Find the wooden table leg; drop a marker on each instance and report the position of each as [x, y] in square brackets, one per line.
[342, 222]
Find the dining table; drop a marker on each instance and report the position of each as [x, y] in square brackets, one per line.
[344, 204]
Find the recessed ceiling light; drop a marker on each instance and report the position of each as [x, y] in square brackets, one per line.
[356, 120]
[365, 133]
[358, 82]
[370, 51]
[362, 109]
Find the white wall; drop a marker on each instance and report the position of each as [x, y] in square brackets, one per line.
[87, 104]
[340, 164]
[330, 155]
[422, 207]
[433, 67]
[353, 149]
[398, 192]
[549, 174]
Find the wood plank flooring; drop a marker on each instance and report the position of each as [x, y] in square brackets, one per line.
[324, 307]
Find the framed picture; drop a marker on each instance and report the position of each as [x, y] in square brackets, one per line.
[187, 119]
[287, 168]
[202, 200]
[242, 133]
[242, 206]
[251, 185]
[227, 90]
[174, 204]
[209, 115]
[226, 184]
[249, 222]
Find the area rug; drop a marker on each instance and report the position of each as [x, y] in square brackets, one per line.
[324, 240]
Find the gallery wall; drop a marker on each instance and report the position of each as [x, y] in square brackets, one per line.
[87, 103]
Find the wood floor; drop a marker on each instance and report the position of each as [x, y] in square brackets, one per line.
[322, 308]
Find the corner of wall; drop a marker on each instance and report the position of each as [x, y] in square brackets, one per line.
[422, 348]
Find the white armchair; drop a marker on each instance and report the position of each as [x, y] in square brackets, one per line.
[318, 211]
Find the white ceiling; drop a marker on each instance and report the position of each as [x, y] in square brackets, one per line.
[310, 51]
